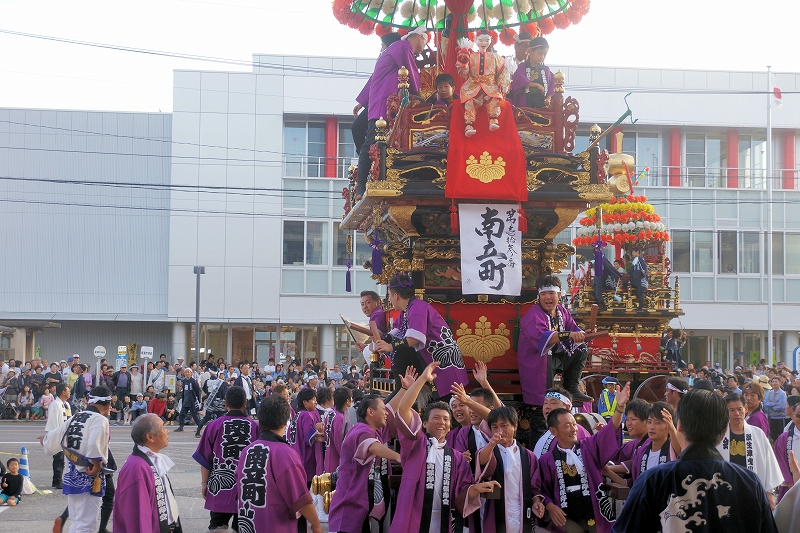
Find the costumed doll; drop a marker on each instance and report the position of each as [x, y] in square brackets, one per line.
[485, 83]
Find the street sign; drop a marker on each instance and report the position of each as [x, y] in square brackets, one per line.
[99, 352]
[122, 357]
[796, 358]
[146, 352]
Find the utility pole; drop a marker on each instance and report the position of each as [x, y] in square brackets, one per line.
[198, 270]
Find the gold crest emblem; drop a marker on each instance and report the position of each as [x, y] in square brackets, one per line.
[483, 345]
[486, 171]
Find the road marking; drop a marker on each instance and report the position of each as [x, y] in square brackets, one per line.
[3, 508]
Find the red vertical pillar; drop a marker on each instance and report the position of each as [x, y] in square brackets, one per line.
[733, 159]
[789, 159]
[675, 157]
[331, 146]
[616, 148]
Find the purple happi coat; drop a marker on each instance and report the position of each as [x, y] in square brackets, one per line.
[490, 517]
[596, 452]
[334, 436]
[521, 79]
[379, 317]
[135, 502]
[639, 455]
[310, 451]
[350, 504]
[383, 82]
[782, 447]
[759, 419]
[271, 486]
[411, 494]
[461, 442]
[420, 321]
[532, 353]
[548, 440]
[219, 450]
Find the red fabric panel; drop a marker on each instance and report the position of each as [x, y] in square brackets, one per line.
[503, 143]
[732, 181]
[331, 146]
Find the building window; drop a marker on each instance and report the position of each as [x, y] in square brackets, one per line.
[346, 151]
[340, 245]
[727, 252]
[792, 253]
[750, 255]
[305, 242]
[304, 146]
[681, 244]
[313, 198]
[702, 251]
[705, 160]
[752, 155]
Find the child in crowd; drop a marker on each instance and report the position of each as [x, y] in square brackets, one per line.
[126, 411]
[445, 85]
[533, 83]
[46, 399]
[11, 483]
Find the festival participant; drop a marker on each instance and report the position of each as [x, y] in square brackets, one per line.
[218, 453]
[549, 338]
[363, 467]
[636, 424]
[753, 394]
[522, 43]
[245, 381]
[699, 492]
[426, 506]
[638, 273]
[571, 473]
[371, 307]
[84, 441]
[58, 412]
[533, 84]
[787, 519]
[607, 403]
[215, 390]
[421, 335]
[485, 82]
[334, 423]
[788, 442]
[663, 445]
[676, 388]
[270, 478]
[308, 443]
[190, 401]
[145, 498]
[445, 84]
[359, 127]
[461, 418]
[748, 447]
[382, 84]
[516, 470]
[555, 398]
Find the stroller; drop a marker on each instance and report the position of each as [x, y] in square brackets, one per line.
[8, 410]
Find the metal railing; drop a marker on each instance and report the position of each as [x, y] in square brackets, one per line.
[306, 166]
[716, 177]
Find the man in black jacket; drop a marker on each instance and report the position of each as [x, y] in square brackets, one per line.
[122, 382]
[191, 401]
[246, 382]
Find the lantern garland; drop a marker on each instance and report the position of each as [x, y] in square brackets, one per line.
[625, 220]
[533, 16]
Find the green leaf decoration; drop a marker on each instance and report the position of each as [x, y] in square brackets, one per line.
[373, 13]
[406, 22]
[387, 19]
[471, 9]
[522, 18]
[488, 4]
[507, 3]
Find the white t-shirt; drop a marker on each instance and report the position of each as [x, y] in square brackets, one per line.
[512, 471]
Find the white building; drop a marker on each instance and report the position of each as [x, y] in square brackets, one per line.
[253, 194]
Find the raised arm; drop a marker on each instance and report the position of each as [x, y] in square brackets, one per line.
[457, 389]
[622, 401]
[406, 382]
[407, 402]
[481, 375]
[674, 442]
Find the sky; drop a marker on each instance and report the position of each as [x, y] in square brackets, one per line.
[37, 73]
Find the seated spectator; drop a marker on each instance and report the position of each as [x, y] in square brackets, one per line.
[157, 405]
[138, 408]
[116, 410]
[170, 411]
[25, 402]
[46, 399]
[126, 411]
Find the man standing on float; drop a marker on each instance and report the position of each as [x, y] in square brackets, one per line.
[549, 341]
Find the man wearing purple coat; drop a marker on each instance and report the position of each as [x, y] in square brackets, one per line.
[271, 480]
[788, 442]
[533, 83]
[549, 340]
[571, 473]
[218, 454]
[310, 434]
[144, 501]
[421, 337]
[753, 394]
[371, 307]
[333, 423]
[435, 477]
[383, 84]
[360, 489]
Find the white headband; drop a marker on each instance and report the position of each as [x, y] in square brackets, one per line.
[95, 399]
[550, 288]
[558, 396]
[670, 386]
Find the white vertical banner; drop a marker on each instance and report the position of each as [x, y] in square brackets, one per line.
[491, 249]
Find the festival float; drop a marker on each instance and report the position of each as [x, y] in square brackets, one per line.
[472, 216]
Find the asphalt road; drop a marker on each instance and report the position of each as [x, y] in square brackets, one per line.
[37, 512]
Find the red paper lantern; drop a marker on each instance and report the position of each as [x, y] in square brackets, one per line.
[546, 26]
[507, 36]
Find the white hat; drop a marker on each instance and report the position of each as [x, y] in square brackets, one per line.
[419, 30]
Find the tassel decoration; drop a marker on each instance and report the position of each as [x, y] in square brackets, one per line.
[453, 217]
[348, 283]
[377, 255]
[523, 220]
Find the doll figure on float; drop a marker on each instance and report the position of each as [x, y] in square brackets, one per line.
[486, 83]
